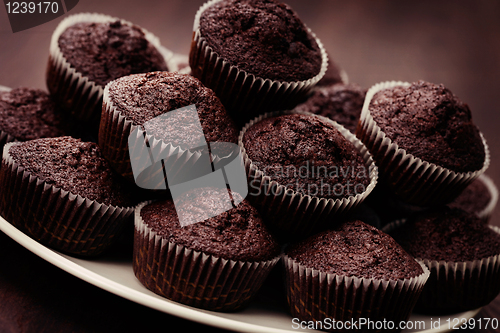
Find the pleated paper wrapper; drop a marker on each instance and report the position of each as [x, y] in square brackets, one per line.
[192, 277]
[455, 287]
[412, 179]
[313, 295]
[243, 94]
[290, 214]
[75, 92]
[55, 217]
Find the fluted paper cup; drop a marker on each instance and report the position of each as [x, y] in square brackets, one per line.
[313, 295]
[120, 138]
[57, 218]
[192, 277]
[245, 95]
[75, 92]
[412, 179]
[455, 287]
[292, 214]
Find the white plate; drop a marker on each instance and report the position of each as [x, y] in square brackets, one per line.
[116, 276]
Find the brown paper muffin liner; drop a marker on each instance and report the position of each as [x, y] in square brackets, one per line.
[192, 277]
[412, 179]
[243, 94]
[117, 134]
[313, 295]
[455, 287]
[292, 214]
[57, 218]
[72, 90]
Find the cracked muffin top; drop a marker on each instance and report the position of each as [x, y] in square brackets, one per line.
[430, 122]
[262, 37]
[357, 249]
[106, 51]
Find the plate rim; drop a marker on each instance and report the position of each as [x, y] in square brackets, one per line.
[164, 305]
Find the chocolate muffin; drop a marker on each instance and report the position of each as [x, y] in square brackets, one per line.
[27, 114]
[444, 133]
[355, 249]
[137, 97]
[237, 234]
[306, 154]
[265, 38]
[216, 264]
[257, 55]
[350, 272]
[88, 51]
[74, 166]
[462, 253]
[448, 234]
[303, 170]
[424, 141]
[62, 192]
[104, 51]
[132, 101]
[340, 102]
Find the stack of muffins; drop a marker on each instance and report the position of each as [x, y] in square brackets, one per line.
[430, 155]
[59, 187]
[316, 149]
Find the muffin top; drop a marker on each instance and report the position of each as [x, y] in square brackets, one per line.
[355, 249]
[307, 154]
[106, 51]
[28, 114]
[262, 37]
[75, 166]
[142, 97]
[474, 198]
[448, 234]
[431, 123]
[340, 102]
[237, 234]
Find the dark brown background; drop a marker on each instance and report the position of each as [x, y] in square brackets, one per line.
[456, 43]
